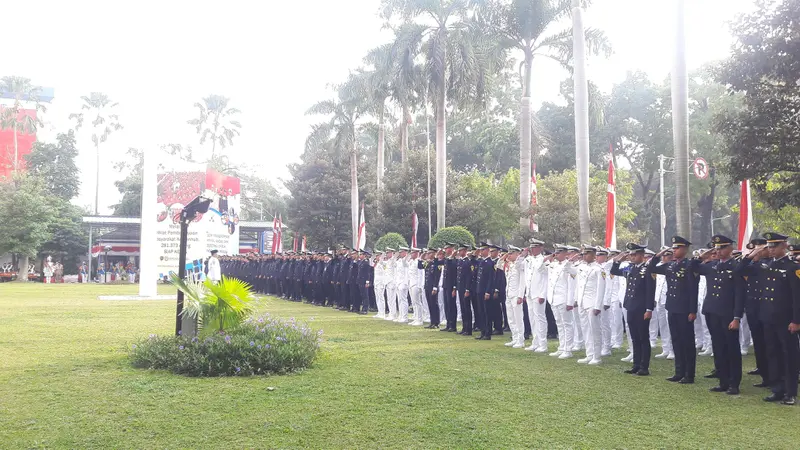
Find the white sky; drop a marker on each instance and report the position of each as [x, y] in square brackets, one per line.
[273, 59]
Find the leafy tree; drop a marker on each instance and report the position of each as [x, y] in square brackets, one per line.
[763, 137]
[29, 214]
[215, 120]
[391, 240]
[130, 204]
[21, 89]
[104, 121]
[486, 205]
[453, 235]
[68, 239]
[55, 165]
[260, 198]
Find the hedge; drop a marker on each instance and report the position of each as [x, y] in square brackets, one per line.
[391, 240]
[455, 235]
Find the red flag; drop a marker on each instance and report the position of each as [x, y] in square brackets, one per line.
[534, 227]
[280, 234]
[414, 225]
[303, 245]
[745, 216]
[611, 207]
[275, 235]
[362, 231]
[294, 242]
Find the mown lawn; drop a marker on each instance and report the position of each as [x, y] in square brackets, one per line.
[65, 383]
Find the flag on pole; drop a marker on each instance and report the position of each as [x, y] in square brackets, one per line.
[534, 227]
[280, 234]
[294, 242]
[414, 225]
[611, 207]
[745, 216]
[275, 235]
[303, 245]
[362, 231]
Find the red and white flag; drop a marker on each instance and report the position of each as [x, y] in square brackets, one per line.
[274, 235]
[414, 226]
[303, 245]
[745, 216]
[362, 231]
[534, 227]
[294, 242]
[280, 234]
[611, 207]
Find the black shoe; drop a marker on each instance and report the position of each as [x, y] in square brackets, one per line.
[527, 336]
[461, 332]
[754, 372]
[643, 373]
[761, 385]
[687, 381]
[789, 400]
[486, 338]
[479, 338]
[507, 329]
[497, 333]
[467, 333]
[733, 391]
[631, 371]
[774, 397]
[713, 374]
[363, 313]
[675, 378]
[445, 329]
[718, 389]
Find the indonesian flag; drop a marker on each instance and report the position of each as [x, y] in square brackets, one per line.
[275, 235]
[534, 227]
[294, 242]
[745, 216]
[414, 226]
[611, 207]
[362, 231]
[303, 245]
[280, 234]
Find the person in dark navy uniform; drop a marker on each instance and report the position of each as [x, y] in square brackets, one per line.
[433, 269]
[639, 303]
[682, 281]
[754, 283]
[485, 281]
[723, 309]
[464, 285]
[780, 312]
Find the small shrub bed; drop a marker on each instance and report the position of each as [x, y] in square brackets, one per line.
[258, 346]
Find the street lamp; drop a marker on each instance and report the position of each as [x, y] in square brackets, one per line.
[713, 219]
[197, 206]
[107, 249]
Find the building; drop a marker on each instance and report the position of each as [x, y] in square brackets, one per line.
[25, 140]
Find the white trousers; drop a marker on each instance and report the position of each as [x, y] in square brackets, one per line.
[537, 314]
[617, 324]
[402, 303]
[745, 338]
[591, 332]
[659, 324]
[380, 289]
[605, 329]
[416, 302]
[578, 337]
[391, 299]
[702, 337]
[628, 331]
[458, 307]
[440, 300]
[515, 320]
[564, 324]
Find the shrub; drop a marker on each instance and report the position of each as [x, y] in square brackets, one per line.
[391, 240]
[216, 306]
[258, 346]
[455, 235]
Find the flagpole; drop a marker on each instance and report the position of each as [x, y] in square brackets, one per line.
[428, 146]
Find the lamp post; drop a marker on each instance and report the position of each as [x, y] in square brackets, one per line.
[107, 249]
[197, 206]
[713, 219]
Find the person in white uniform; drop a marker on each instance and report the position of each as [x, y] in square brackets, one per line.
[401, 284]
[214, 269]
[535, 293]
[558, 295]
[608, 299]
[414, 289]
[577, 340]
[380, 285]
[702, 337]
[612, 292]
[590, 284]
[515, 289]
[659, 324]
[391, 286]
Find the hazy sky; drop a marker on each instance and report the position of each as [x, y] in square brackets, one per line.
[273, 59]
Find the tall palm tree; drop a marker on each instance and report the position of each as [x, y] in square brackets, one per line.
[340, 129]
[581, 120]
[680, 124]
[530, 27]
[20, 89]
[458, 61]
[216, 121]
[374, 87]
[104, 122]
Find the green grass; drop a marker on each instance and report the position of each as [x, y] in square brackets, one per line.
[65, 383]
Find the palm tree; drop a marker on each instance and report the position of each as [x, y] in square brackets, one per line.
[528, 27]
[104, 122]
[20, 89]
[340, 131]
[374, 87]
[581, 120]
[680, 125]
[216, 121]
[458, 61]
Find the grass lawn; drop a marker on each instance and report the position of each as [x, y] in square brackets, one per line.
[65, 383]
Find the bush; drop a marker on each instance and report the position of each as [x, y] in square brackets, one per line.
[258, 346]
[391, 240]
[455, 235]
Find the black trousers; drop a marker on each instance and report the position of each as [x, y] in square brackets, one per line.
[504, 326]
[450, 308]
[727, 352]
[491, 317]
[466, 312]
[759, 347]
[526, 320]
[682, 331]
[365, 298]
[433, 306]
[500, 312]
[640, 336]
[479, 309]
[355, 296]
[783, 352]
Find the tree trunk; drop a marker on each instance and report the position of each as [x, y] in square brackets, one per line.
[97, 180]
[680, 126]
[525, 145]
[581, 121]
[404, 135]
[441, 140]
[354, 191]
[381, 157]
[22, 274]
